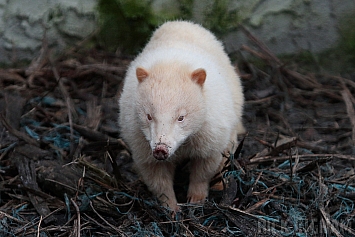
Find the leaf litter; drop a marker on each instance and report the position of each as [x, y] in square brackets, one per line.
[64, 172]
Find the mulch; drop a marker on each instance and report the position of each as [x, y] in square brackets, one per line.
[64, 172]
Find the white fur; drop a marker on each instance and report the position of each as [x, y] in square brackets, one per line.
[212, 111]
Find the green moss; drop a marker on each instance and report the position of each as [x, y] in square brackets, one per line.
[347, 32]
[18, 64]
[339, 59]
[185, 8]
[304, 60]
[54, 14]
[219, 19]
[126, 24]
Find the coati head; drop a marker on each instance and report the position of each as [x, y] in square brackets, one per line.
[170, 105]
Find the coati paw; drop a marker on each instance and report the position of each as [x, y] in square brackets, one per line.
[199, 198]
[173, 208]
[198, 195]
[197, 192]
[176, 212]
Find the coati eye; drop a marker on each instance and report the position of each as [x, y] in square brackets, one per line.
[149, 117]
[181, 118]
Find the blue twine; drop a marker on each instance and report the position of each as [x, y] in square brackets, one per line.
[284, 165]
[297, 217]
[80, 111]
[58, 139]
[47, 100]
[143, 232]
[156, 229]
[67, 204]
[268, 218]
[282, 176]
[304, 151]
[8, 147]
[233, 230]
[236, 174]
[210, 219]
[131, 197]
[32, 133]
[6, 232]
[344, 187]
[346, 207]
[86, 198]
[15, 212]
[284, 208]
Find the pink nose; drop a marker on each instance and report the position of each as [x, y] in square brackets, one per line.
[161, 152]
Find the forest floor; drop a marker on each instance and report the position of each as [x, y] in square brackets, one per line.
[64, 172]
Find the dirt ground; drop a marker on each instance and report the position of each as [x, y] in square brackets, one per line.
[64, 172]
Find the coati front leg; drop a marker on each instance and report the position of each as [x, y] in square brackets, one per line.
[159, 177]
[202, 171]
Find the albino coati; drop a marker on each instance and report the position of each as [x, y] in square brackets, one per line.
[181, 99]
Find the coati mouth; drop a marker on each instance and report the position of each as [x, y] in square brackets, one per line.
[161, 151]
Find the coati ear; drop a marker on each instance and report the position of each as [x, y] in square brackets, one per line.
[199, 76]
[141, 74]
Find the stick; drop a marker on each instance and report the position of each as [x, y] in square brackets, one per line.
[78, 217]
